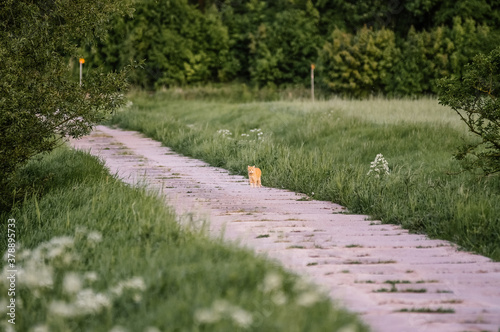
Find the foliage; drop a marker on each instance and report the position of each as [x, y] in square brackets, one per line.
[180, 45]
[399, 16]
[371, 62]
[327, 147]
[359, 65]
[282, 54]
[475, 99]
[40, 100]
[96, 254]
[405, 47]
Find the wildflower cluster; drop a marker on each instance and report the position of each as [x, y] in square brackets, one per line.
[48, 272]
[222, 309]
[225, 133]
[379, 167]
[255, 134]
[273, 287]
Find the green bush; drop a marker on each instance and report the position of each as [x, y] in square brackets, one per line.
[40, 100]
[475, 99]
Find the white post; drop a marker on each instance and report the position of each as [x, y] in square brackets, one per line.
[82, 61]
[312, 81]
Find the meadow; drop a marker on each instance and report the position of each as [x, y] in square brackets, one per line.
[95, 254]
[325, 150]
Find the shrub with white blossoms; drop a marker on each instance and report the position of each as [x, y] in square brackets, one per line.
[379, 167]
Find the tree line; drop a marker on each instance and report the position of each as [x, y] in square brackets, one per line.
[358, 47]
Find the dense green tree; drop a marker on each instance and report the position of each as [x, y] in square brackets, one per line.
[179, 44]
[280, 52]
[474, 97]
[274, 42]
[359, 65]
[399, 16]
[40, 100]
[440, 52]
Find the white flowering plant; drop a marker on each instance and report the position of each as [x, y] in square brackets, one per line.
[224, 133]
[51, 272]
[379, 167]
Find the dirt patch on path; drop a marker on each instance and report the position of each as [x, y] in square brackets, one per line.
[396, 281]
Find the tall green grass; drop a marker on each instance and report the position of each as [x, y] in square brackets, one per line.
[324, 149]
[95, 254]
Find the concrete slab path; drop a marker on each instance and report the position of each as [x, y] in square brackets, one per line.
[394, 280]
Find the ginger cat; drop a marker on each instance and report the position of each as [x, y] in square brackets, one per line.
[254, 175]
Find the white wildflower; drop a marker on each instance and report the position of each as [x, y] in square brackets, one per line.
[272, 281]
[136, 283]
[35, 274]
[241, 317]
[72, 283]
[279, 298]
[224, 133]
[94, 237]
[61, 241]
[307, 299]
[89, 302]
[379, 167]
[221, 309]
[56, 248]
[81, 230]
[221, 306]
[206, 316]
[63, 309]
[90, 276]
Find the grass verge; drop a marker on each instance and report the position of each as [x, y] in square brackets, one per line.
[94, 254]
[324, 150]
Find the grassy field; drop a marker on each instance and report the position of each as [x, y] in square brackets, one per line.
[94, 254]
[325, 150]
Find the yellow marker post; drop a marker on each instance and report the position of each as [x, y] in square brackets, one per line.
[82, 61]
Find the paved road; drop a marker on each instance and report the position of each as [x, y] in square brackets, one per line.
[373, 269]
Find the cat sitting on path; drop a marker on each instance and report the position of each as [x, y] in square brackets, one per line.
[254, 175]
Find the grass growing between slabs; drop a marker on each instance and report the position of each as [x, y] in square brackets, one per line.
[95, 254]
[324, 149]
